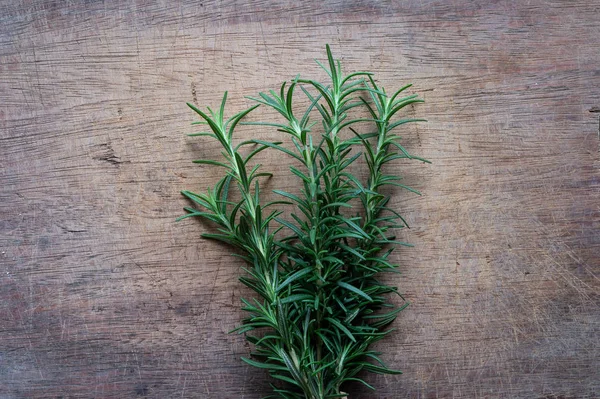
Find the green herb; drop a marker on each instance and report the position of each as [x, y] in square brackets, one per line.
[320, 303]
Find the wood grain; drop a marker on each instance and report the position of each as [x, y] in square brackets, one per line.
[103, 295]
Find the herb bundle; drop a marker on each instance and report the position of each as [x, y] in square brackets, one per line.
[320, 303]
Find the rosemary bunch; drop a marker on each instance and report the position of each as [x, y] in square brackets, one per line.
[320, 304]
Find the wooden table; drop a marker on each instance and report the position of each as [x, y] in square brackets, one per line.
[103, 295]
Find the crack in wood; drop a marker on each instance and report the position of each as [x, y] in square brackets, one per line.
[109, 155]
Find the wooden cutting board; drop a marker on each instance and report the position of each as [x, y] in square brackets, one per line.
[103, 295]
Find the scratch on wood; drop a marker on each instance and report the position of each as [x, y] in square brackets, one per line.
[194, 95]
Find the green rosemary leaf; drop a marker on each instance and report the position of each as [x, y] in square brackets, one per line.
[256, 151]
[297, 275]
[234, 120]
[277, 147]
[337, 205]
[219, 237]
[288, 103]
[284, 378]
[200, 134]
[412, 190]
[293, 197]
[209, 162]
[356, 228]
[352, 251]
[332, 69]
[222, 109]
[403, 122]
[323, 91]
[300, 174]
[342, 328]
[199, 199]
[355, 290]
[404, 244]
[297, 298]
[208, 120]
[290, 226]
[355, 74]
[269, 366]
[393, 98]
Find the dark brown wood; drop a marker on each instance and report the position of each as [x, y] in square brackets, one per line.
[103, 295]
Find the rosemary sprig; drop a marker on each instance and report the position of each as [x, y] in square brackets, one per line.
[320, 304]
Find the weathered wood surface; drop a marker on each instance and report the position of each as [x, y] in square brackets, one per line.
[103, 295]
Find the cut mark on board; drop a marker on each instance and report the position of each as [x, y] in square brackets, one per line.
[107, 154]
[596, 110]
[194, 96]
